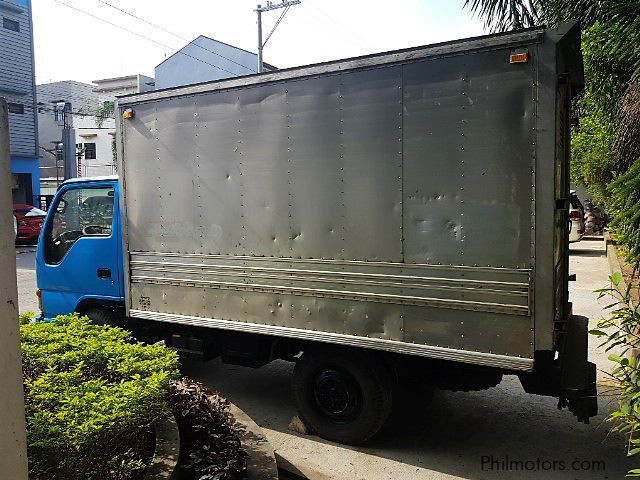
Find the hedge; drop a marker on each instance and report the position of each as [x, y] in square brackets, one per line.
[91, 395]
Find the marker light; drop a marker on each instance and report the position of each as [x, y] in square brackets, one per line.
[519, 57]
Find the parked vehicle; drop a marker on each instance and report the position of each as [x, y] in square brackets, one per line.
[576, 218]
[594, 219]
[399, 214]
[27, 223]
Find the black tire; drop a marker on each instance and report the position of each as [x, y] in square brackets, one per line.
[104, 316]
[344, 396]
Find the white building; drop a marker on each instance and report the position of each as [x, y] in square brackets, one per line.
[113, 87]
[94, 143]
[93, 151]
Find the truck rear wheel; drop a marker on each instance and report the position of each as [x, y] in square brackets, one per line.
[343, 396]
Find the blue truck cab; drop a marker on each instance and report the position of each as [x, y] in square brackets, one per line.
[79, 263]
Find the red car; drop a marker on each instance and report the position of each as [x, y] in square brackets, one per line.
[28, 222]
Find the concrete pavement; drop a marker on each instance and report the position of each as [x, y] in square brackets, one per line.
[458, 435]
[26, 264]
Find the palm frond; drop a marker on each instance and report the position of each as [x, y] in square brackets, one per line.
[501, 15]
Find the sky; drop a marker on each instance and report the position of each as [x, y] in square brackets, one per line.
[70, 45]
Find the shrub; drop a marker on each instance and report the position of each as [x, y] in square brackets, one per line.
[621, 334]
[625, 204]
[90, 390]
[209, 444]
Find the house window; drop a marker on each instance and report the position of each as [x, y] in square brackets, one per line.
[89, 151]
[16, 108]
[9, 24]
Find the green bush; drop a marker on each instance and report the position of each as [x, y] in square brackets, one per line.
[91, 396]
[621, 334]
[625, 204]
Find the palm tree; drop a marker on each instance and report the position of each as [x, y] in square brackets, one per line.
[500, 15]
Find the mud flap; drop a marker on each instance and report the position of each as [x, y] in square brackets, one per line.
[577, 375]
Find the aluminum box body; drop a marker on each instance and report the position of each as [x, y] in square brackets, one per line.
[405, 201]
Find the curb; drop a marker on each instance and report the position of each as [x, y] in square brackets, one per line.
[615, 264]
[261, 460]
[165, 457]
[612, 256]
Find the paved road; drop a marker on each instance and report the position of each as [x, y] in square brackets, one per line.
[26, 263]
[450, 437]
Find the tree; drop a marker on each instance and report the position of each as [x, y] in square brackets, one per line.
[500, 15]
[104, 111]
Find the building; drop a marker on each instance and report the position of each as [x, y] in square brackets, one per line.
[92, 151]
[17, 85]
[203, 60]
[123, 85]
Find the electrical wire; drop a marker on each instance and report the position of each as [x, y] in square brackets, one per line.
[45, 109]
[337, 25]
[140, 35]
[163, 29]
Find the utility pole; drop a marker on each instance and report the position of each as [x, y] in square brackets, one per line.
[64, 117]
[13, 441]
[286, 4]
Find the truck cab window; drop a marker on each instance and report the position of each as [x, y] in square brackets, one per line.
[82, 212]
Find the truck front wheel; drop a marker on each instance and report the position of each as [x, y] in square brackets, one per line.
[104, 316]
[343, 396]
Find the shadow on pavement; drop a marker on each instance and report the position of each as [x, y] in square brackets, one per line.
[587, 252]
[470, 434]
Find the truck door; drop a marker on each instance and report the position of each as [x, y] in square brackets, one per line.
[561, 231]
[79, 256]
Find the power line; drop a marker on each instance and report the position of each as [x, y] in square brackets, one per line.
[337, 26]
[161, 28]
[140, 35]
[46, 109]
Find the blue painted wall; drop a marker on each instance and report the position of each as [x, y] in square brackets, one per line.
[28, 165]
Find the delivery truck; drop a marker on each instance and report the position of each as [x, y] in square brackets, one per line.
[391, 215]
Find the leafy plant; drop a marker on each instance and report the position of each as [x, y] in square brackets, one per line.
[625, 204]
[90, 389]
[103, 112]
[210, 449]
[621, 334]
[502, 15]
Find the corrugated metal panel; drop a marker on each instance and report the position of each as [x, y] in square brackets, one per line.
[16, 79]
[303, 204]
[468, 130]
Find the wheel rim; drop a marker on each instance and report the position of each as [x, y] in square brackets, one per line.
[337, 395]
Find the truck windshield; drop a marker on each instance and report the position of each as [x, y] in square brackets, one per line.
[81, 212]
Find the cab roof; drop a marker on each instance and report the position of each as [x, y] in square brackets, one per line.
[103, 178]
